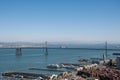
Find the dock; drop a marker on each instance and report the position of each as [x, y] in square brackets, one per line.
[45, 69]
[74, 64]
[26, 75]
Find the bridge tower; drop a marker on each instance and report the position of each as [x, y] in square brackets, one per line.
[46, 48]
[18, 51]
[106, 55]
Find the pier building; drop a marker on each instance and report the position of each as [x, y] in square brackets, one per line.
[118, 62]
[117, 59]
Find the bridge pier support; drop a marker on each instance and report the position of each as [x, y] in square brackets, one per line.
[18, 51]
[46, 49]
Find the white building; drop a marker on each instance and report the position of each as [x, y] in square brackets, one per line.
[118, 62]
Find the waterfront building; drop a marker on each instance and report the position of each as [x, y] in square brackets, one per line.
[118, 62]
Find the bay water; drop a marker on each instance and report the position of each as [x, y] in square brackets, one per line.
[36, 58]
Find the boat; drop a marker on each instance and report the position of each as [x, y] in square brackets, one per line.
[70, 67]
[53, 66]
[63, 47]
[83, 60]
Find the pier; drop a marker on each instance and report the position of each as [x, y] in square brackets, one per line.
[26, 75]
[45, 69]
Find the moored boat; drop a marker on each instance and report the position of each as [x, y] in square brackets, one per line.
[53, 66]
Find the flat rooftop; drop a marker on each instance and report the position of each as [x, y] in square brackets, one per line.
[116, 53]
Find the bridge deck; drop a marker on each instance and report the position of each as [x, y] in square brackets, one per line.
[58, 48]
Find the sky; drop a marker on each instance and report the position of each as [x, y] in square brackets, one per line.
[59, 20]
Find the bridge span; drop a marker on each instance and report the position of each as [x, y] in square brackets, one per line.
[19, 49]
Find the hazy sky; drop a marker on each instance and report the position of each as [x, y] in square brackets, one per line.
[59, 20]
